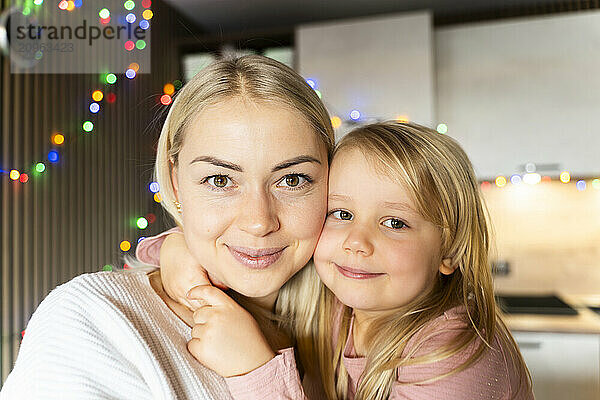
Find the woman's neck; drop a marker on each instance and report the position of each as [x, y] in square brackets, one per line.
[267, 302]
[184, 313]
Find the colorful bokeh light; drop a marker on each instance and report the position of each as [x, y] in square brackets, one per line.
[165, 99]
[97, 95]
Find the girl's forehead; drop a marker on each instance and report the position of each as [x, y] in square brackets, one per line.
[361, 179]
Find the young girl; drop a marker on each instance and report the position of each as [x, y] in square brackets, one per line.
[405, 306]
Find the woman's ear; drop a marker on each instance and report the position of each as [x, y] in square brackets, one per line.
[174, 178]
[446, 267]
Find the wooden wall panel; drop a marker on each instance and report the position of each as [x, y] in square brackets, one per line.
[71, 219]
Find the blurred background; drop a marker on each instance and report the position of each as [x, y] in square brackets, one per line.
[515, 82]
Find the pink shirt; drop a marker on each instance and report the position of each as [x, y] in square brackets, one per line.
[490, 377]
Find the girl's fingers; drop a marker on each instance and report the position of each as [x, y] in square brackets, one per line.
[191, 305]
[202, 315]
[196, 304]
[209, 294]
[197, 332]
[194, 346]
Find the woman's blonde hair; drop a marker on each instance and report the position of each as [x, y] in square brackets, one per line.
[258, 79]
[440, 178]
[252, 77]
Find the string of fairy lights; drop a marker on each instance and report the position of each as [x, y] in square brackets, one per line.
[98, 98]
[529, 177]
[101, 97]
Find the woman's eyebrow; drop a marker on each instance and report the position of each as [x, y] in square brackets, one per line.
[294, 161]
[283, 165]
[218, 163]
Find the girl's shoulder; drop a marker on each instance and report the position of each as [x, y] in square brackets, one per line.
[490, 374]
[443, 331]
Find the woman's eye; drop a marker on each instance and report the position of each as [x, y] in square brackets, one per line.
[219, 181]
[341, 214]
[293, 180]
[394, 223]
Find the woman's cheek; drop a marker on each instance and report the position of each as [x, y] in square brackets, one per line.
[306, 217]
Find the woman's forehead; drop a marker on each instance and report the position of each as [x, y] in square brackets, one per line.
[242, 130]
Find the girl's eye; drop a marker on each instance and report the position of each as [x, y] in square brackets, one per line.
[294, 181]
[219, 181]
[341, 214]
[394, 223]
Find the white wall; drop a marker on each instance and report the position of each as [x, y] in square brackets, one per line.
[381, 66]
[525, 90]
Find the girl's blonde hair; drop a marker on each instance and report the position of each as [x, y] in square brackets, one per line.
[258, 79]
[440, 178]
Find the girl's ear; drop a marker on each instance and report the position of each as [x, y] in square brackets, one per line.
[446, 267]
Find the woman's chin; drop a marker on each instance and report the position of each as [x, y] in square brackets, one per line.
[253, 292]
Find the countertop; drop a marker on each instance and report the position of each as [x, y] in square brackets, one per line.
[586, 321]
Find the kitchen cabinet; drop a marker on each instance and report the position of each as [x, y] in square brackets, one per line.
[379, 66]
[523, 91]
[562, 365]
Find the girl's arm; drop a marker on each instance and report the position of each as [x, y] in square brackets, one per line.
[148, 250]
[179, 270]
[228, 340]
[278, 379]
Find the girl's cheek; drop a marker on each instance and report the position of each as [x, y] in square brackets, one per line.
[326, 245]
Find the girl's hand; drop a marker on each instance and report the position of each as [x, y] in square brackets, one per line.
[225, 337]
[179, 271]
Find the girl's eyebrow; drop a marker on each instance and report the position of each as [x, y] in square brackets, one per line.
[399, 207]
[282, 165]
[339, 197]
[387, 204]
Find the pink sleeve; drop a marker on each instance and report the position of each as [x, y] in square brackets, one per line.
[488, 378]
[278, 379]
[148, 250]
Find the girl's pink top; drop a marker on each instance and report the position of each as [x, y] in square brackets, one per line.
[490, 377]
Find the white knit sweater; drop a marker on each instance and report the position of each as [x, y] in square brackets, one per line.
[108, 335]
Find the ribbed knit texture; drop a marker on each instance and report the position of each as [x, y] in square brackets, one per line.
[108, 335]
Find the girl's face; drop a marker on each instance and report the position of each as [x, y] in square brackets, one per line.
[252, 182]
[376, 252]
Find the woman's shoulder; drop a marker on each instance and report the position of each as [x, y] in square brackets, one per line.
[104, 283]
[91, 296]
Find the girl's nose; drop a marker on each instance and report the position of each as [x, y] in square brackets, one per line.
[357, 242]
[258, 215]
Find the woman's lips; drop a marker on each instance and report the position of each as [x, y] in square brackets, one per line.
[356, 273]
[256, 258]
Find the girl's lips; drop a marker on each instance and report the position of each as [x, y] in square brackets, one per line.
[356, 273]
[256, 258]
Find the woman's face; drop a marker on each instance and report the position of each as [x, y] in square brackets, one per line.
[252, 182]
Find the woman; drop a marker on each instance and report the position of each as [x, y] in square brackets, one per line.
[246, 146]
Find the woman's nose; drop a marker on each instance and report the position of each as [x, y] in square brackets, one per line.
[357, 242]
[258, 215]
